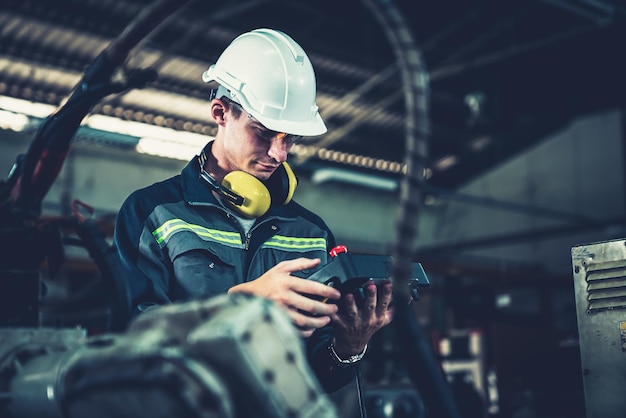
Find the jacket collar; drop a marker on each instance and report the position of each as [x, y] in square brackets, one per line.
[193, 187]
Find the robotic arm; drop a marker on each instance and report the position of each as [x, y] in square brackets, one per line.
[228, 356]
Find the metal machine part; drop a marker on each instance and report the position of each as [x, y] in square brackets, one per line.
[229, 356]
[599, 281]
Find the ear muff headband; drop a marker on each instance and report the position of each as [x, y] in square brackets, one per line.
[231, 197]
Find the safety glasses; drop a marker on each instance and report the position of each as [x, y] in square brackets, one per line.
[267, 135]
[261, 132]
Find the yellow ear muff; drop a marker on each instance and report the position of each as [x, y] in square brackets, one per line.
[256, 197]
[282, 184]
[292, 182]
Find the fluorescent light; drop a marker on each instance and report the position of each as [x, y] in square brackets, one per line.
[446, 162]
[14, 121]
[178, 150]
[153, 140]
[345, 176]
[126, 127]
[38, 110]
[503, 300]
[480, 143]
[139, 129]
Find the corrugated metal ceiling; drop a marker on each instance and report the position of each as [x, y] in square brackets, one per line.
[502, 75]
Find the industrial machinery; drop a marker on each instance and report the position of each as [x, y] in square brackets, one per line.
[229, 356]
[599, 284]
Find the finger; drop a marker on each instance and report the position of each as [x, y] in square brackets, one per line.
[390, 315]
[311, 306]
[350, 307]
[369, 306]
[386, 318]
[306, 332]
[385, 293]
[297, 264]
[304, 322]
[313, 288]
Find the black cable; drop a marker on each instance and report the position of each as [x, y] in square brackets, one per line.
[359, 391]
[54, 137]
[422, 365]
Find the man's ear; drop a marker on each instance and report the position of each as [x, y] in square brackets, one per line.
[218, 110]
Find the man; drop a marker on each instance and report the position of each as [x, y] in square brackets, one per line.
[212, 228]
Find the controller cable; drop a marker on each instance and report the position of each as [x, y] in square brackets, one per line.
[359, 391]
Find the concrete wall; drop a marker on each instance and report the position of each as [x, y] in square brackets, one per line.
[563, 189]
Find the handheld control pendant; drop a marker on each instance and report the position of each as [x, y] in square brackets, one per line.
[349, 272]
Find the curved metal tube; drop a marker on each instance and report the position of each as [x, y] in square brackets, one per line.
[423, 368]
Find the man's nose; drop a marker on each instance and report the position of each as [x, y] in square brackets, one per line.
[279, 149]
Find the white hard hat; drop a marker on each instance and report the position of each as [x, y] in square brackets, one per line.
[272, 78]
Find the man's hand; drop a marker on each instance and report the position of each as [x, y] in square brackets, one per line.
[355, 323]
[302, 298]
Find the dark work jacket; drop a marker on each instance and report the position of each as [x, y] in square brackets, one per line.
[177, 243]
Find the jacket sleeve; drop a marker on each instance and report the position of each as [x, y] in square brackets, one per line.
[143, 264]
[328, 373]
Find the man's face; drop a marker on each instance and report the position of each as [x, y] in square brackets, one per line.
[252, 148]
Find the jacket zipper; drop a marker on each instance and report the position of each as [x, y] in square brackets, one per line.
[248, 235]
[246, 244]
